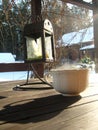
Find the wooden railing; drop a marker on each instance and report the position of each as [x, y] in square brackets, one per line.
[8, 67]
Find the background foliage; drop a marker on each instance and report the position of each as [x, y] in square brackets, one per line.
[14, 15]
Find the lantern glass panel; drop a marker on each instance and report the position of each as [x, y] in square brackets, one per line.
[48, 47]
[34, 48]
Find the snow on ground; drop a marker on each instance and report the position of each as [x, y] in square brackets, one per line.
[93, 77]
[11, 76]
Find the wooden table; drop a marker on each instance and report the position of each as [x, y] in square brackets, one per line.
[42, 108]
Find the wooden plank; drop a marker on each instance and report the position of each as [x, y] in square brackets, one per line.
[74, 117]
[47, 109]
[29, 91]
[37, 107]
[9, 67]
[13, 67]
[95, 19]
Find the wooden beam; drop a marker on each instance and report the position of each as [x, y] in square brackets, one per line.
[35, 9]
[80, 3]
[9, 67]
[95, 19]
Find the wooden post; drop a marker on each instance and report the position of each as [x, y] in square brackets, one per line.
[36, 14]
[35, 9]
[95, 18]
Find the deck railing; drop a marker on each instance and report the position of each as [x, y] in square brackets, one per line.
[8, 67]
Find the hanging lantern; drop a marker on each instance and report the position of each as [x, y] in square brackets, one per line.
[39, 42]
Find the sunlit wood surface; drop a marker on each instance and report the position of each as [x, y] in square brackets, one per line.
[38, 107]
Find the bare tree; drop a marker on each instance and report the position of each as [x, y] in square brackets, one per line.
[13, 17]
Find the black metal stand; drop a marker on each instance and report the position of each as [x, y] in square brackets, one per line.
[19, 87]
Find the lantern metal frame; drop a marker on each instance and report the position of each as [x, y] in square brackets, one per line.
[43, 30]
[34, 31]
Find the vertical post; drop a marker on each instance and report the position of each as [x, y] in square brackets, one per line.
[36, 12]
[95, 18]
[35, 9]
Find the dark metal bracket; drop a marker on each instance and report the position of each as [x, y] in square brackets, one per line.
[21, 86]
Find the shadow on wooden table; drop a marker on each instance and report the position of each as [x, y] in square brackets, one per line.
[36, 110]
